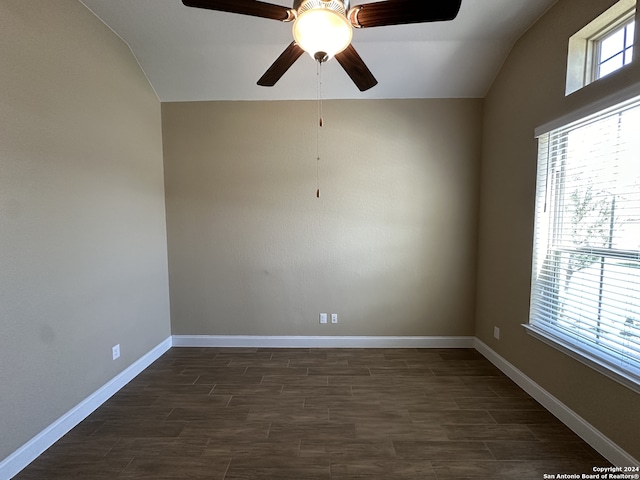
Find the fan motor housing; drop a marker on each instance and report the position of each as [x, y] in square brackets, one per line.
[340, 6]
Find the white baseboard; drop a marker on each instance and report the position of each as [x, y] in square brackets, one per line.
[320, 342]
[605, 446]
[22, 457]
[19, 459]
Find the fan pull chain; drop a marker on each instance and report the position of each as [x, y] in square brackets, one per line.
[320, 124]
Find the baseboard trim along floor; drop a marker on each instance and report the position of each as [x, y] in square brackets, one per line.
[37, 445]
[320, 342]
[571, 419]
[31, 450]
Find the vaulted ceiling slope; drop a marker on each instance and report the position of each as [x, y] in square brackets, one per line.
[192, 54]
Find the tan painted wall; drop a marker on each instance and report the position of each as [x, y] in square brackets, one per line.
[390, 246]
[82, 230]
[529, 92]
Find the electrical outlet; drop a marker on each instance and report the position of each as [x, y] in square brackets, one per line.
[496, 333]
[323, 318]
[334, 318]
[115, 351]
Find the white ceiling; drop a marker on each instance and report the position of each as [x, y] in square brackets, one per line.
[191, 54]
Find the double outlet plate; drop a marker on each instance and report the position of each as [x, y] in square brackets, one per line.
[324, 317]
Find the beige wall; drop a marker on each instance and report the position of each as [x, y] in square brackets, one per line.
[528, 92]
[82, 231]
[390, 245]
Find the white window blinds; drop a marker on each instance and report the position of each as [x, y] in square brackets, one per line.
[585, 294]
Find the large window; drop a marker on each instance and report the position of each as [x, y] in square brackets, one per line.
[585, 295]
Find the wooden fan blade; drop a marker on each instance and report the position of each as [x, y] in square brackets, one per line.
[244, 7]
[400, 12]
[281, 65]
[356, 69]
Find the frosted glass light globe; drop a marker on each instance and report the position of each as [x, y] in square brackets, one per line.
[321, 30]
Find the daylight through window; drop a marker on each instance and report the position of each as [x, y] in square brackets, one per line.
[603, 46]
[615, 49]
[585, 295]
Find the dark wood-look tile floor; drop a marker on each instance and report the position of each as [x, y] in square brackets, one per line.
[294, 414]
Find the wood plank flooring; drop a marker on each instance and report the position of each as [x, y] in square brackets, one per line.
[285, 414]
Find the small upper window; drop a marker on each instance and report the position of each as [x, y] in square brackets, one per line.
[602, 47]
[615, 49]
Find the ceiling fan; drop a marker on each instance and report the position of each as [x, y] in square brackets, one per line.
[323, 28]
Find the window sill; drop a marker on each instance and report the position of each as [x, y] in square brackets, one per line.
[583, 357]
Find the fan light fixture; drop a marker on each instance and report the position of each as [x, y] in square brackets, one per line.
[321, 29]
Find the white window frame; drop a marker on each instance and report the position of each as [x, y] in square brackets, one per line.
[543, 329]
[595, 44]
[583, 51]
